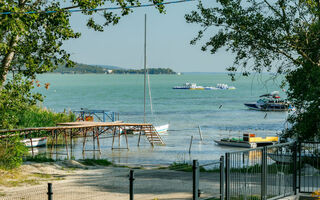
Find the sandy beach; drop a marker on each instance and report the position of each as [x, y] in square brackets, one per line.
[73, 180]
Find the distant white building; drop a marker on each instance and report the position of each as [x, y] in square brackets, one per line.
[109, 71]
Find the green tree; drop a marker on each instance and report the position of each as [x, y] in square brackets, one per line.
[31, 39]
[271, 35]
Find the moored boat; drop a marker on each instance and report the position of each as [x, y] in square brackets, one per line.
[189, 86]
[194, 86]
[248, 140]
[270, 102]
[162, 129]
[35, 142]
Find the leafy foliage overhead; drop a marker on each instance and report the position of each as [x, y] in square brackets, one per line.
[271, 35]
[32, 43]
[263, 34]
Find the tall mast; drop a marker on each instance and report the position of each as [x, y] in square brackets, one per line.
[145, 66]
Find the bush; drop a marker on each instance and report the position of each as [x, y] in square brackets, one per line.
[41, 117]
[11, 153]
[39, 159]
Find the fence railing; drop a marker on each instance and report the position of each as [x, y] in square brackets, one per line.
[309, 164]
[268, 172]
[262, 173]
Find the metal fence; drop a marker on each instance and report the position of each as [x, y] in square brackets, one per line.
[309, 165]
[187, 181]
[261, 173]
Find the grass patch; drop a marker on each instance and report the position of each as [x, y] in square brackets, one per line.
[93, 162]
[43, 176]
[18, 177]
[39, 159]
[272, 169]
[250, 197]
[185, 167]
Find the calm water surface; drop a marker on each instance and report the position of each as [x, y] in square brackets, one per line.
[218, 112]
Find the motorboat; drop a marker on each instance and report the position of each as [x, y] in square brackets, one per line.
[194, 86]
[249, 140]
[190, 86]
[270, 102]
[223, 86]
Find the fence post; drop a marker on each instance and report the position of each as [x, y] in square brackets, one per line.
[50, 191]
[222, 178]
[294, 168]
[227, 179]
[131, 179]
[195, 177]
[299, 166]
[264, 170]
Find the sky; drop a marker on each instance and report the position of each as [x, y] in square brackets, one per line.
[168, 41]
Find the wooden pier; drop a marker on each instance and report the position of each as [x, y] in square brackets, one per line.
[87, 129]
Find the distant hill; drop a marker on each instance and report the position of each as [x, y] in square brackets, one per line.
[80, 68]
[141, 71]
[108, 66]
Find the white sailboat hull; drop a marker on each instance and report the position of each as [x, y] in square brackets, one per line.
[162, 129]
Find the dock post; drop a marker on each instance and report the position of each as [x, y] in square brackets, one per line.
[119, 136]
[50, 193]
[200, 133]
[114, 134]
[52, 142]
[31, 146]
[125, 134]
[98, 142]
[131, 179]
[94, 138]
[190, 144]
[66, 142]
[71, 132]
[84, 140]
[56, 135]
[139, 138]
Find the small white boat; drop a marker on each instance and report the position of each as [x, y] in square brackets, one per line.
[162, 129]
[36, 142]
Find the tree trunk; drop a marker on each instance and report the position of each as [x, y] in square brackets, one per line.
[6, 62]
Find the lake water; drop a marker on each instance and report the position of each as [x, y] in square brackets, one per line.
[220, 113]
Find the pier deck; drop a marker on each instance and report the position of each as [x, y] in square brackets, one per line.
[87, 129]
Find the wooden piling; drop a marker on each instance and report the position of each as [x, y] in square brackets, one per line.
[190, 144]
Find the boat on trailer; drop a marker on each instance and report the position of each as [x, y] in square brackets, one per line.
[249, 140]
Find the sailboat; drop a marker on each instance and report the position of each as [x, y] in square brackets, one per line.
[161, 129]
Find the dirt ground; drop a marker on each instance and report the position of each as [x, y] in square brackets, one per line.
[72, 180]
